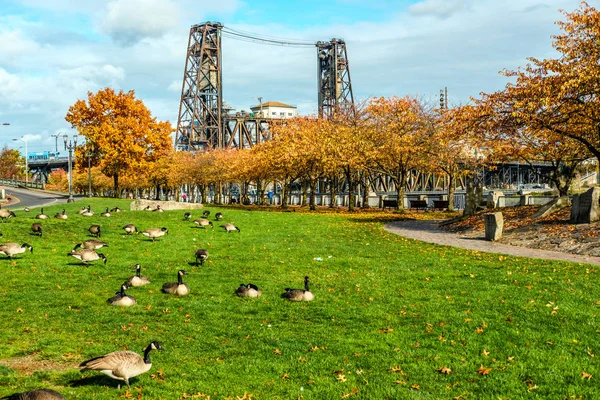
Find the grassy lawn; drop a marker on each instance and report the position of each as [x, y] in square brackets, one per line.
[392, 318]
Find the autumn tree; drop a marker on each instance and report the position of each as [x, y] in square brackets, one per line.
[11, 163]
[122, 131]
[400, 130]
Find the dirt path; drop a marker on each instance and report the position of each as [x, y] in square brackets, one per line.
[428, 231]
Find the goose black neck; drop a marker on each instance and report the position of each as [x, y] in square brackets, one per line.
[122, 291]
[179, 279]
[137, 272]
[147, 355]
[306, 286]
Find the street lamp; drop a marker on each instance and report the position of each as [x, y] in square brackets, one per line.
[70, 145]
[55, 136]
[90, 152]
[22, 139]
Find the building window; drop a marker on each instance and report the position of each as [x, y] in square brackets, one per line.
[289, 114]
[282, 114]
[273, 113]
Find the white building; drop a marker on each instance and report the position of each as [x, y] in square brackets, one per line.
[274, 109]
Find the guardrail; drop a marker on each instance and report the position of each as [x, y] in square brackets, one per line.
[16, 183]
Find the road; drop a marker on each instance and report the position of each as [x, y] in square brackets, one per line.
[32, 198]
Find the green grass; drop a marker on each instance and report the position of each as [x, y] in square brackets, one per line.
[388, 313]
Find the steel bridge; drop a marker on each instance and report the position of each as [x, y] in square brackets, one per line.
[203, 124]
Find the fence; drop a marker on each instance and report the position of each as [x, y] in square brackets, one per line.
[17, 183]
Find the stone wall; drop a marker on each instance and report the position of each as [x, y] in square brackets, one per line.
[165, 205]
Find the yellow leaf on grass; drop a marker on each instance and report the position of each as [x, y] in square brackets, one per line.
[585, 375]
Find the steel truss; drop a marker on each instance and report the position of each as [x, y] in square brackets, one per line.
[335, 87]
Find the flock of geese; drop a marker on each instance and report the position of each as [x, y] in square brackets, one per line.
[123, 365]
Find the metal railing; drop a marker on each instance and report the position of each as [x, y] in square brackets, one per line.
[17, 183]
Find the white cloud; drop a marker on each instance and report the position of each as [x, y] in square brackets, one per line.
[128, 21]
[437, 8]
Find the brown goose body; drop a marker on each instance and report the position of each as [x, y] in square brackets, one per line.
[203, 223]
[122, 299]
[230, 228]
[158, 208]
[179, 288]
[115, 210]
[122, 365]
[86, 256]
[138, 279]
[249, 290]
[12, 249]
[154, 233]
[218, 216]
[36, 228]
[201, 256]
[61, 215]
[95, 230]
[91, 244]
[130, 229]
[39, 394]
[106, 213]
[6, 214]
[299, 294]
[41, 215]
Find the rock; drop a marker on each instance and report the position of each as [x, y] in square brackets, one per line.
[493, 226]
[585, 207]
[551, 207]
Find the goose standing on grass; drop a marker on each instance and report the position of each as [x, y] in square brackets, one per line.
[122, 365]
[187, 216]
[218, 216]
[12, 249]
[37, 229]
[41, 215]
[26, 209]
[121, 298]
[154, 233]
[6, 214]
[179, 288]
[201, 255]
[138, 279]
[203, 223]
[130, 229]
[38, 394]
[95, 230]
[205, 213]
[158, 208]
[86, 256]
[249, 290]
[61, 215]
[90, 244]
[299, 294]
[105, 213]
[230, 228]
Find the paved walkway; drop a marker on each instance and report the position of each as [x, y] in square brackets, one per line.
[428, 231]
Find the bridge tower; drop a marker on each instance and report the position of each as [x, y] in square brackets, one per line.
[335, 87]
[200, 125]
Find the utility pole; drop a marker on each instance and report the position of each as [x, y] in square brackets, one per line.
[260, 104]
[70, 145]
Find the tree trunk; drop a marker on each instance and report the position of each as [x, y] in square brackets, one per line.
[304, 186]
[470, 200]
[400, 182]
[284, 193]
[451, 190]
[351, 189]
[332, 192]
[116, 183]
[260, 192]
[365, 194]
[313, 194]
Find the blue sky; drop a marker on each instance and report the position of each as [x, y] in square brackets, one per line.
[52, 52]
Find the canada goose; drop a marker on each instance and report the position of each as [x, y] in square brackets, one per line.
[137, 279]
[5, 214]
[206, 213]
[26, 209]
[122, 365]
[203, 223]
[218, 216]
[202, 255]
[61, 215]
[90, 244]
[147, 208]
[130, 228]
[86, 255]
[83, 209]
[12, 249]
[158, 208]
[248, 290]
[95, 230]
[187, 216]
[121, 298]
[230, 228]
[87, 212]
[105, 213]
[41, 215]
[179, 288]
[115, 209]
[154, 233]
[38, 394]
[37, 228]
[299, 294]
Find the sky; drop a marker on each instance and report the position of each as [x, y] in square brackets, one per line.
[53, 52]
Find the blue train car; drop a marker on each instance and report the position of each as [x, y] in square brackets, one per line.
[42, 156]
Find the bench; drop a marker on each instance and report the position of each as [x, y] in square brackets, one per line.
[390, 203]
[418, 204]
[441, 204]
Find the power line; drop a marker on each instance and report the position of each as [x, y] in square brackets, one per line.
[255, 38]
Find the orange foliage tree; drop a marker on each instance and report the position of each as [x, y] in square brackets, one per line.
[124, 135]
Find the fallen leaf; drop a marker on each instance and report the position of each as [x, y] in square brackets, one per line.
[444, 370]
[415, 387]
[485, 352]
[585, 375]
[277, 351]
[484, 371]
[386, 330]
[285, 376]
